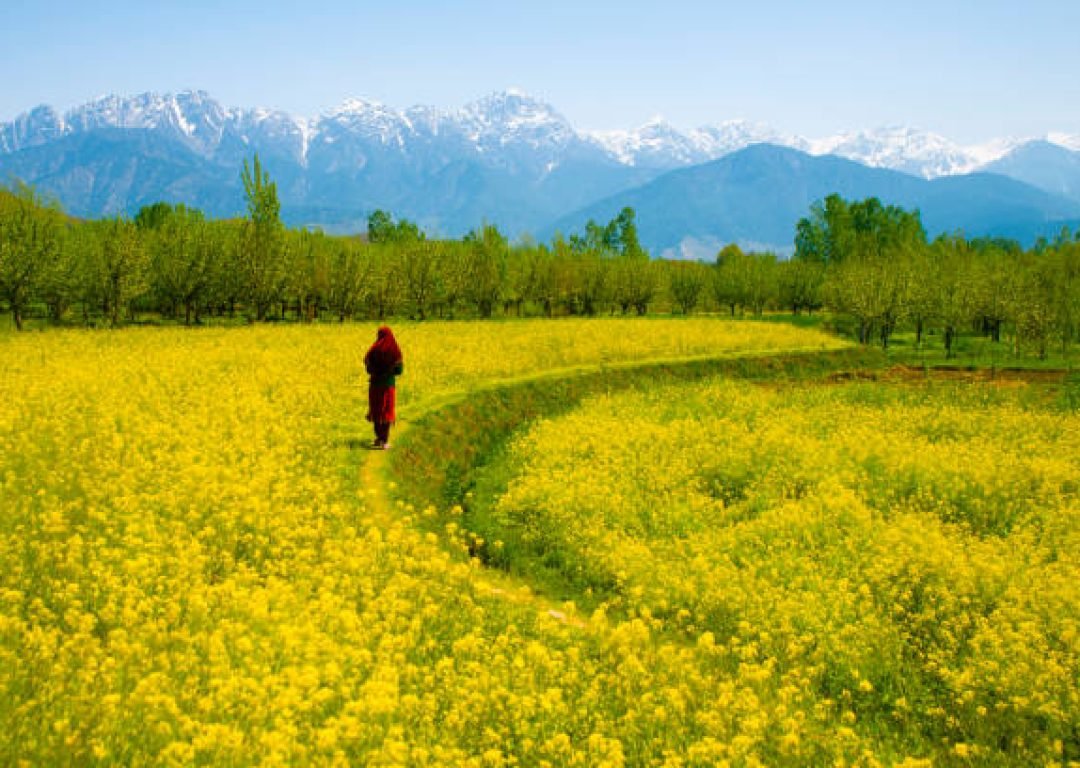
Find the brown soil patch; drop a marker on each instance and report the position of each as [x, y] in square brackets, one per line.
[1002, 376]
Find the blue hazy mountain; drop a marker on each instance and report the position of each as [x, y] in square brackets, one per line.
[511, 160]
[755, 197]
[1049, 167]
[507, 159]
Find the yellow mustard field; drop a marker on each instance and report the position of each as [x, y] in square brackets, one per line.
[191, 572]
[867, 571]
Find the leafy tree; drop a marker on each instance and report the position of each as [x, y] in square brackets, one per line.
[1033, 301]
[921, 292]
[488, 254]
[453, 277]
[387, 290]
[994, 264]
[728, 278]
[1065, 266]
[59, 285]
[226, 282]
[120, 271]
[827, 235]
[800, 284]
[30, 246]
[383, 229]
[420, 275]
[261, 248]
[636, 281]
[621, 235]
[152, 217]
[747, 280]
[531, 276]
[351, 273]
[687, 281]
[308, 258]
[953, 275]
[181, 256]
[597, 239]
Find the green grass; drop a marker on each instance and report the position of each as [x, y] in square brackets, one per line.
[456, 455]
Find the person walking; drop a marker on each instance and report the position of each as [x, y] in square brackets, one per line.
[384, 364]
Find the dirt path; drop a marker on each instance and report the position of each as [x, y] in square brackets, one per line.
[377, 489]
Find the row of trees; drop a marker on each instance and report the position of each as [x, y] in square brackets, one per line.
[874, 264]
[862, 260]
[173, 262]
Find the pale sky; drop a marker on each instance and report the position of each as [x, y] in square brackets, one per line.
[971, 71]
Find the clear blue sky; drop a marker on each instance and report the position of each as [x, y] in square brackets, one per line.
[970, 70]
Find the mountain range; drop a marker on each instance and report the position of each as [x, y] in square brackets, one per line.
[513, 160]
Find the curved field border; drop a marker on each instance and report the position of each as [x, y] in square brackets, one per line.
[436, 458]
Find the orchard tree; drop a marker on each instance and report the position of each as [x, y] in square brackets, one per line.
[180, 255]
[921, 291]
[953, 276]
[762, 286]
[261, 246]
[687, 281]
[419, 266]
[995, 263]
[30, 246]
[59, 286]
[453, 277]
[308, 257]
[120, 271]
[827, 236]
[381, 228]
[488, 254]
[386, 293]
[351, 272]
[1065, 264]
[227, 283]
[800, 284]
[729, 277]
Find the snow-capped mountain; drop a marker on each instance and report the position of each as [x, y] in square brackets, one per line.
[31, 129]
[656, 144]
[509, 157]
[910, 150]
[514, 118]
[733, 135]
[489, 126]
[659, 144]
[1064, 140]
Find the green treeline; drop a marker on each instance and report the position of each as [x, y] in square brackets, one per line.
[864, 262]
[873, 264]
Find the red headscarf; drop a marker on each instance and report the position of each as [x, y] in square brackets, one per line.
[384, 353]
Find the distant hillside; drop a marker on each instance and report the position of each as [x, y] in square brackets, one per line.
[1049, 167]
[507, 159]
[514, 161]
[756, 196]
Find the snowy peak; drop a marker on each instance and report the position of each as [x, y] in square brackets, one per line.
[733, 135]
[914, 151]
[365, 119]
[504, 129]
[514, 117]
[190, 116]
[509, 109]
[1069, 141]
[656, 144]
[31, 129]
[659, 144]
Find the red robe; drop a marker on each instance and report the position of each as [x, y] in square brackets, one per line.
[383, 362]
